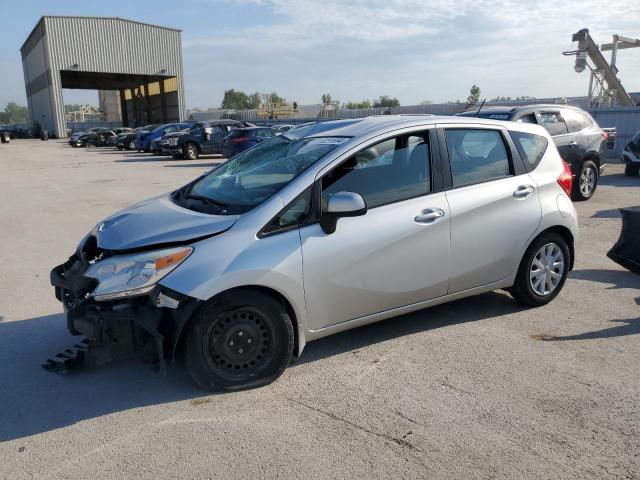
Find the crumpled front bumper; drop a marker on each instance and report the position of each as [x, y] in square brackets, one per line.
[148, 325]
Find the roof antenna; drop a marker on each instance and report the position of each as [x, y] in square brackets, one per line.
[481, 105]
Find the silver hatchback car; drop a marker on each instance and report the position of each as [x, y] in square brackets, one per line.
[330, 226]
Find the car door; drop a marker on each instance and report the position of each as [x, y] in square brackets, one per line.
[214, 144]
[494, 205]
[396, 254]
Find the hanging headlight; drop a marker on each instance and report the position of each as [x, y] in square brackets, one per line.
[133, 275]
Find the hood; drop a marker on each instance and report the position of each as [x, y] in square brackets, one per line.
[158, 221]
[174, 134]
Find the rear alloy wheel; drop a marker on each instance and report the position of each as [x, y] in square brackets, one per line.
[190, 151]
[241, 340]
[631, 169]
[543, 270]
[586, 181]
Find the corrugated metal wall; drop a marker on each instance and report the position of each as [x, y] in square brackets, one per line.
[105, 45]
[625, 119]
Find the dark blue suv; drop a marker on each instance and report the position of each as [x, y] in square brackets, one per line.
[145, 137]
[201, 139]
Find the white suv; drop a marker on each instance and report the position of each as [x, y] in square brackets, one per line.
[330, 226]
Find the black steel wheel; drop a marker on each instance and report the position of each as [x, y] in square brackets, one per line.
[241, 340]
[239, 343]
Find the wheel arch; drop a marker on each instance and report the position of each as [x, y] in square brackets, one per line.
[592, 155]
[298, 336]
[565, 233]
[193, 142]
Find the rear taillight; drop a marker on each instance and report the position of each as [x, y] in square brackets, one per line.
[565, 179]
[605, 135]
[239, 139]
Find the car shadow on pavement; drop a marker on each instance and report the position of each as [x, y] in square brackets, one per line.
[610, 213]
[624, 327]
[471, 309]
[617, 278]
[144, 158]
[117, 152]
[183, 165]
[619, 180]
[33, 400]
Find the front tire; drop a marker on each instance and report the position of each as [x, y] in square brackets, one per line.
[240, 340]
[631, 169]
[190, 151]
[543, 270]
[586, 181]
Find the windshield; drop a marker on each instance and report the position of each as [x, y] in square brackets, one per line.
[197, 126]
[251, 177]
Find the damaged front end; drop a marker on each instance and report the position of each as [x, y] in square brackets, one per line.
[113, 299]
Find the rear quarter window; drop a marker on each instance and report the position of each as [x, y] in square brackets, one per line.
[576, 121]
[554, 123]
[531, 147]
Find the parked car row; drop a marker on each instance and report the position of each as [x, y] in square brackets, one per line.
[180, 139]
[96, 137]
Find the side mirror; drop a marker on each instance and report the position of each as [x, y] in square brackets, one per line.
[341, 204]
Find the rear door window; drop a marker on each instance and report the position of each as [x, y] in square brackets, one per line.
[531, 147]
[477, 156]
[554, 123]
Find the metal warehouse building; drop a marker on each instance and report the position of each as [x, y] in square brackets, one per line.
[142, 62]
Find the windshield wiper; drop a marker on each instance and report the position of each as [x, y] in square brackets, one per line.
[207, 200]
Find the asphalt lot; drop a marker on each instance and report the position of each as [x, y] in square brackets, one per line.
[479, 388]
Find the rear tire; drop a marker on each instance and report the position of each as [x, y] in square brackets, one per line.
[631, 169]
[542, 271]
[131, 145]
[240, 340]
[586, 182]
[190, 151]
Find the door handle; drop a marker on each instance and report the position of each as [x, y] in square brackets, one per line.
[523, 191]
[573, 144]
[428, 215]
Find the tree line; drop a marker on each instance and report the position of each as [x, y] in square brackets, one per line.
[14, 113]
[238, 100]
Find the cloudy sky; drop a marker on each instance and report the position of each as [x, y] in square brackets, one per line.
[414, 50]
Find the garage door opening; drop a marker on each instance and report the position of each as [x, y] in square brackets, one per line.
[142, 99]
